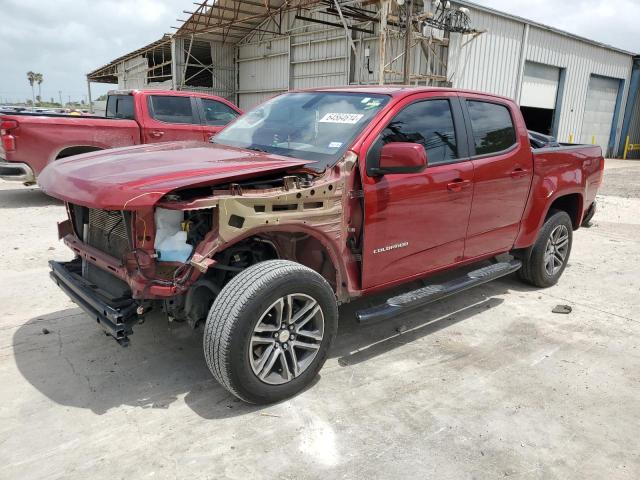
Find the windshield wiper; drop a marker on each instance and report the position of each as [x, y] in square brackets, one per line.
[257, 149]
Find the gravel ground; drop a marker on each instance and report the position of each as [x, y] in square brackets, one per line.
[485, 385]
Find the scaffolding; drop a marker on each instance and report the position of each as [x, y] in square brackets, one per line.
[422, 28]
[261, 47]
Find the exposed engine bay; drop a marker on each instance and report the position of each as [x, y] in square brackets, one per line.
[197, 239]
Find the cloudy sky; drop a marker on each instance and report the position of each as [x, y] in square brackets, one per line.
[65, 39]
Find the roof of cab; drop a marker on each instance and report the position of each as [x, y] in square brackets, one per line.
[175, 93]
[400, 90]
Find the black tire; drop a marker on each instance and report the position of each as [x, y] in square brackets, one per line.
[534, 267]
[238, 310]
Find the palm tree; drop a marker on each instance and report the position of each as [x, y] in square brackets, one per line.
[39, 78]
[31, 76]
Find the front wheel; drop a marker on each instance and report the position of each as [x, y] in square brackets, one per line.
[269, 331]
[550, 254]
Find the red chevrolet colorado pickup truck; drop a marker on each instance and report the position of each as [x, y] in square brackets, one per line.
[311, 200]
[29, 142]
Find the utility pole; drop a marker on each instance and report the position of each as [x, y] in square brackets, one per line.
[60, 97]
[384, 15]
[407, 43]
[89, 99]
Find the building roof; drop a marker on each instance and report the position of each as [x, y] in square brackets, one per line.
[232, 20]
[107, 73]
[540, 25]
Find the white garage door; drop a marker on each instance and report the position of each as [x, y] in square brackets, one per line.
[539, 86]
[599, 110]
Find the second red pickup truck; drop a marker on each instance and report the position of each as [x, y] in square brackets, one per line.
[29, 142]
[310, 200]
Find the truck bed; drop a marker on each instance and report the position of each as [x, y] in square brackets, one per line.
[569, 169]
[42, 138]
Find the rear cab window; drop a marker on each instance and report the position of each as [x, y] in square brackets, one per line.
[170, 109]
[120, 106]
[492, 127]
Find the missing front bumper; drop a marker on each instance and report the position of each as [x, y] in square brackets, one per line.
[116, 316]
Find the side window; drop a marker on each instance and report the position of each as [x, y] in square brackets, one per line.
[217, 113]
[492, 126]
[120, 106]
[171, 109]
[429, 123]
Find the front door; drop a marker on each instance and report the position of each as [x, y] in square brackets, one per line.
[503, 170]
[416, 223]
[172, 118]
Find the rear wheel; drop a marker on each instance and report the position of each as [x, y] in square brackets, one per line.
[550, 254]
[269, 331]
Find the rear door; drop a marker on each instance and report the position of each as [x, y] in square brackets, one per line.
[172, 118]
[503, 170]
[416, 223]
[216, 115]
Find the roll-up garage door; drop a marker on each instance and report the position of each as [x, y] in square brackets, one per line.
[599, 110]
[540, 86]
[539, 96]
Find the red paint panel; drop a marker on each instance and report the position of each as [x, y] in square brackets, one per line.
[40, 139]
[133, 178]
[414, 223]
[501, 188]
[419, 212]
[557, 173]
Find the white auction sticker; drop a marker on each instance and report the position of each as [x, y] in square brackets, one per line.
[350, 118]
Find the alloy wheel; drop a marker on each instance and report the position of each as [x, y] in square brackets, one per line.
[556, 250]
[286, 339]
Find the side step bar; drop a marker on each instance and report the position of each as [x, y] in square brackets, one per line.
[431, 293]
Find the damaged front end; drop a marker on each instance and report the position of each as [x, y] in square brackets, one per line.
[179, 253]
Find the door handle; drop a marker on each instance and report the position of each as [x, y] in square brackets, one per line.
[458, 184]
[156, 133]
[519, 173]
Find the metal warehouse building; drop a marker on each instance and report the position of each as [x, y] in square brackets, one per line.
[571, 87]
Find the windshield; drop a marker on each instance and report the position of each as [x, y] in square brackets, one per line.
[315, 126]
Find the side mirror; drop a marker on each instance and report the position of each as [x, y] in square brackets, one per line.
[402, 157]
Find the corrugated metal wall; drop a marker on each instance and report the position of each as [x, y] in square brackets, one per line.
[319, 59]
[263, 70]
[492, 63]
[580, 60]
[310, 56]
[224, 70]
[315, 56]
[132, 74]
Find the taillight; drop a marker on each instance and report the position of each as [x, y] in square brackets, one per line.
[6, 125]
[8, 140]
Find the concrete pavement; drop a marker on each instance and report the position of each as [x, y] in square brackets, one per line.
[488, 384]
